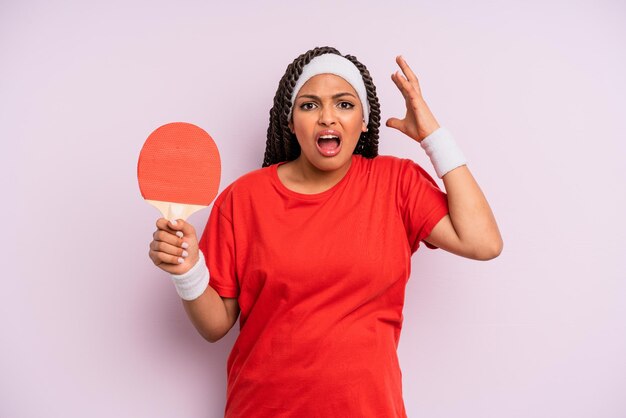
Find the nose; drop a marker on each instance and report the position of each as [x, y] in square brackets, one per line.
[327, 116]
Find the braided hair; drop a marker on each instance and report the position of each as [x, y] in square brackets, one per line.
[282, 144]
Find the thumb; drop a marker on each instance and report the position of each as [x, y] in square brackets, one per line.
[394, 123]
[176, 224]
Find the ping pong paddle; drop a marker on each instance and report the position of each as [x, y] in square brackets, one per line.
[179, 170]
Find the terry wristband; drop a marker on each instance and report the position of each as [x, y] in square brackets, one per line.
[444, 153]
[192, 284]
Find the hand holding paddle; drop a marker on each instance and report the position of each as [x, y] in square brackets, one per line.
[174, 247]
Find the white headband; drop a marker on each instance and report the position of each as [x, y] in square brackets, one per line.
[333, 64]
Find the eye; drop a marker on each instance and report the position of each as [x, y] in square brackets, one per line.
[307, 106]
[346, 105]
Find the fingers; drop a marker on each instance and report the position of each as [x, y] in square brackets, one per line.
[165, 225]
[395, 77]
[419, 120]
[410, 75]
[164, 247]
[159, 257]
[177, 226]
[167, 248]
[169, 238]
[173, 242]
[409, 85]
[408, 90]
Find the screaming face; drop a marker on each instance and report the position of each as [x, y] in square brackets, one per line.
[327, 121]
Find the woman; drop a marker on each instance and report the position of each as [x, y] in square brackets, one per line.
[314, 249]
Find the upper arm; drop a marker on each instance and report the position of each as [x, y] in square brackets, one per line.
[444, 236]
[232, 311]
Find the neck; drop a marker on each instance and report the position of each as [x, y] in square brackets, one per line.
[316, 179]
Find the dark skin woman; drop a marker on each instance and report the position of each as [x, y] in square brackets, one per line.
[328, 106]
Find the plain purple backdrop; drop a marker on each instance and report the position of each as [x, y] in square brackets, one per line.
[532, 90]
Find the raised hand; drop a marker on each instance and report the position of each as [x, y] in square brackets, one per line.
[419, 122]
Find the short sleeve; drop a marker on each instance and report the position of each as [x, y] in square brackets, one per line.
[218, 246]
[422, 203]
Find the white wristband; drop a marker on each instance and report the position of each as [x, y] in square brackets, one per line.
[192, 284]
[444, 153]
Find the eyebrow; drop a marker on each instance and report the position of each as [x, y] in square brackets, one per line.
[336, 96]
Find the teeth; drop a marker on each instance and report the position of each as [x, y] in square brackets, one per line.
[329, 137]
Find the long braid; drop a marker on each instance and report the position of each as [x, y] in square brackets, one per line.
[368, 142]
[282, 144]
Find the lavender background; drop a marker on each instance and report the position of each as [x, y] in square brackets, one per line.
[532, 90]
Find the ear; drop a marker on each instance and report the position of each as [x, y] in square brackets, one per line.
[290, 124]
[364, 126]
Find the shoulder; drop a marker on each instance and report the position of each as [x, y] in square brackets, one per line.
[381, 161]
[252, 179]
[390, 164]
[404, 170]
[244, 185]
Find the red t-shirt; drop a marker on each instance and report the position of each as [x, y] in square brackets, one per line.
[320, 280]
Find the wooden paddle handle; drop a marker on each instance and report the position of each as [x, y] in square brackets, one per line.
[171, 210]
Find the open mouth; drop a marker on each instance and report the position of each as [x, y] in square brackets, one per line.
[329, 145]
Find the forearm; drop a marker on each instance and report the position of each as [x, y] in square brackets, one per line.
[208, 314]
[471, 215]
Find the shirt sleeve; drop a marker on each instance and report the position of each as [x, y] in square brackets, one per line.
[422, 203]
[218, 246]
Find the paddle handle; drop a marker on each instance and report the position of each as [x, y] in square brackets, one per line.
[171, 210]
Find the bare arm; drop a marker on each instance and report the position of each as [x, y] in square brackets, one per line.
[212, 315]
[470, 229]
